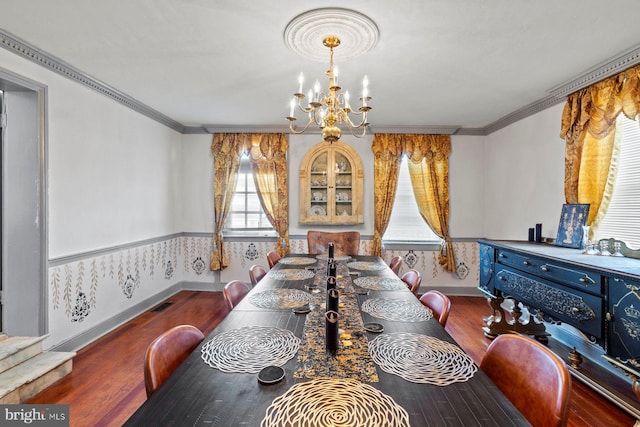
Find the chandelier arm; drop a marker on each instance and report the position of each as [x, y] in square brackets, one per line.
[297, 132]
[364, 130]
[352, 125]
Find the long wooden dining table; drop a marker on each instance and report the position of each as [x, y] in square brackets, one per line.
[410, 372]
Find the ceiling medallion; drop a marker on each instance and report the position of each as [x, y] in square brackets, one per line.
[305, 33]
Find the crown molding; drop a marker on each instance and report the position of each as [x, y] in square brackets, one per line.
[24, 49]
[556, 95]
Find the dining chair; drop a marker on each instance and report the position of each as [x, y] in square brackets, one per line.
[439, 303]
[344, 243]
[256, 272]
[272, 258]
[395, 264]
[412, 278]
[532, 377]
[167, 352]
[234, 291]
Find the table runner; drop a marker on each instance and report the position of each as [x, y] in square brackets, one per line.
[352, 359]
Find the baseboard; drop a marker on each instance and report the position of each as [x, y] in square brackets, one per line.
[458, 291]
[85, 338]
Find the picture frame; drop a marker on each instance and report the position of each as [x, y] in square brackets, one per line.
[572, 219]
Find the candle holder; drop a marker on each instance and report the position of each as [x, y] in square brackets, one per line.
[331, 331]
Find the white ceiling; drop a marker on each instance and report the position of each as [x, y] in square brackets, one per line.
[465, 63]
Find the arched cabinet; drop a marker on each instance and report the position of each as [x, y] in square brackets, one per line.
[331, 179]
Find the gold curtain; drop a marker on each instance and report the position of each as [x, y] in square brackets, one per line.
[269, 162]
[429, 171]
[588, 127]
[387, 157]
[226, 149]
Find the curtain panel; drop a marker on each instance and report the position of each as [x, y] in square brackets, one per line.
[429, 170]
[268, 159]
[589, 129]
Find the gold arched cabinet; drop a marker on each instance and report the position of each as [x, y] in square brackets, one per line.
[331, 185]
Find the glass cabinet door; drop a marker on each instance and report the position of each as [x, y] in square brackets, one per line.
[331, 185]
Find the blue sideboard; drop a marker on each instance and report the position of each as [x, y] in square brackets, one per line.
[585, 307]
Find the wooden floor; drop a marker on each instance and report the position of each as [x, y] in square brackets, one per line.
[107, 385]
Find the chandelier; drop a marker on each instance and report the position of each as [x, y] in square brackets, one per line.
[331, 108]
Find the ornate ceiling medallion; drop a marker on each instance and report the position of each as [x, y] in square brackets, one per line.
[305, 33]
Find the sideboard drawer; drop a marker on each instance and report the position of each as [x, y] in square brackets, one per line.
[574, 307]
[587, 281]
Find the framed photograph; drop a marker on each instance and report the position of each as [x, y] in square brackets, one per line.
[573, 217]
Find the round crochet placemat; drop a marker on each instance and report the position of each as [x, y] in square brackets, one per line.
[292, 274]
[365, 265]
[297, 261]
[380, 283]
[421, 358]
[397, 309]
[250, 349]
[280, 298]
[334, 402]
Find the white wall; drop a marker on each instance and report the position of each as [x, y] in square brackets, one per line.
[524, 184]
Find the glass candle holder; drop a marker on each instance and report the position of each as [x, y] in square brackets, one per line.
[604, 248]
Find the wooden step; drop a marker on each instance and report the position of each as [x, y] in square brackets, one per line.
[23, 381]
[15, 350]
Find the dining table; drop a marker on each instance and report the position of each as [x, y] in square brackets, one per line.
[287, 355]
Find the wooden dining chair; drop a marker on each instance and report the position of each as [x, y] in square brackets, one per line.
[256, 272]
[272, 258]
[532, 377]
[167, 352]
[439, 303]
[344, 243]
[234, 291]
[412, 278]
[395, 264]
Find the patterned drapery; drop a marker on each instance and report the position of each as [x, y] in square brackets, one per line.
[589, 129]
[268, 158]
[429, 170]
[387, 157]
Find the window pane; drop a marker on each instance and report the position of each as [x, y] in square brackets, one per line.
[406, 224]
[246, 210]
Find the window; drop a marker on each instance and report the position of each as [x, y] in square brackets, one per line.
[622, 220]
[246, 213]
[406, 224]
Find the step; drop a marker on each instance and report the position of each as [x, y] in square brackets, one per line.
[22, 382]
[15, 350]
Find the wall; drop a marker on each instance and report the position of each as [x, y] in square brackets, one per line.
[113, 185]
[524, 181]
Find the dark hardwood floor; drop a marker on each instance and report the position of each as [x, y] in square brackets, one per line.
[107, 385]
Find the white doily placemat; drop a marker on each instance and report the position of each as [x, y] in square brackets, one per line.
[297, 260]
[333, 402]
[249, 349]
[380, 283]
[365, 265]
[292, 274]
[397, 309]
[421, 358]
[280, 298]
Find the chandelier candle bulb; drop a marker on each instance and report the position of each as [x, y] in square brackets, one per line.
[300, 81]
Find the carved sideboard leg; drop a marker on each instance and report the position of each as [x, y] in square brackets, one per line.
[497, 323]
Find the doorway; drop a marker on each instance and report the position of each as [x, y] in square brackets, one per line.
[23, 249]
